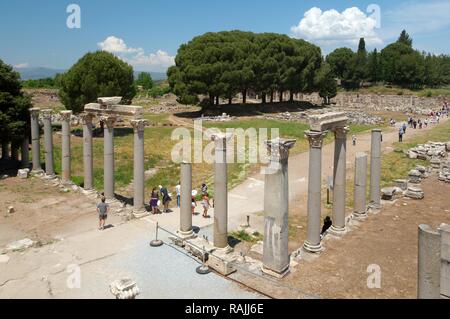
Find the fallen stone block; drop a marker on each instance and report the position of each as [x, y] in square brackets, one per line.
[401, 183]
[124, 289]
[23, 173]
[19, 245]
[415, 176]
[414, 193]
[11, 210]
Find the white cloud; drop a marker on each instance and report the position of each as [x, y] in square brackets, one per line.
[21, 65]
[331, 27]
[158, 61]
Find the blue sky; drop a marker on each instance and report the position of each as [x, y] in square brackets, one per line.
[148, 33]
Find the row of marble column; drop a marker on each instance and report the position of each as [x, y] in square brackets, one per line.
[276, 195]
[108, 164]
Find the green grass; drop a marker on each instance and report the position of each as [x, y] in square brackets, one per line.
[396, 165]
[424, 92]
[242, 235]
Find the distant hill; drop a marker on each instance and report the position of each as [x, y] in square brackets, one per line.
[41, 73]
[37, 73]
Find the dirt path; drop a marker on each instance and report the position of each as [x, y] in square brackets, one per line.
[246, 198]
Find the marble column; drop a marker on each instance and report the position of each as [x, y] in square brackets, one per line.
[108, 152]
[138, 170]
[429, 263]
[88, 162]
[339, 180]
[48, 142]
[375, 170]
[65, 146]
[186, 230]
[25, 152]
[312, 243]
[360, 187]
[221, 192]
[445, 261]
[276, 258]
[35, 140]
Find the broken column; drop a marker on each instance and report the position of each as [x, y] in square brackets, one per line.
[339, 180]
[312, 243]
[65, 146]
[429, 263]
[186, 230]
[108, 152]
[87, 151]
[221, 192]
[360, 188]
[276, 209]
[25, 152]
[36, 147]
[48, 142]
[138, 170]
[375, 171]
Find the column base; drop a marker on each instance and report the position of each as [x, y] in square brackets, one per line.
[360, 216]
[341, 231]
[314, 249]
[140, 213]
[225, 250]
[272, 273]
[49, 177]
[186, 235]
[373, 208]
[37, 172]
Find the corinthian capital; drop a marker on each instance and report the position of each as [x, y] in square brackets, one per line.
[65, 115]
[34, 112]
[47, 114]
[315, 138]
[279, 149]
[139, 125]
[108, 120]
[86, 118]
[341, 132]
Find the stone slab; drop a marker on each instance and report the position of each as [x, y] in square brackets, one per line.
[328, 121]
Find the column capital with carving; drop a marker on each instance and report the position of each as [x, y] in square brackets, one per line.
[139, 125]
[109, 121]
[279, 149]
[341, 132]
[47, 114]
[66, 115]
[315, 138]
[34, 112]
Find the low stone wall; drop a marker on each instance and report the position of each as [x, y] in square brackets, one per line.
[380, 102]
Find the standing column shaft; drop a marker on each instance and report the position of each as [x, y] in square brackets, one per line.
[138, 171]
[429, 263]
[48, 139]
[221, 192]
[375, 170]
[312, 243]
[185, 200]
[108, 151]
[276, 208]
[360, 188]
[25, 153]
[87, 152]
[445, 261]
[36, 147]
[339, 182]
[65, 145]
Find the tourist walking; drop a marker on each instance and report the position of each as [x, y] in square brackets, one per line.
[178, 190]
[193, 201]
[401, 132]
[102, 210]
[165, 198]
[404, 128]
[354, 140]
[204, 188]
[205, 205]
[154, 198]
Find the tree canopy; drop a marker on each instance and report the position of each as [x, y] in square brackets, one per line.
[397, 64]
[223, 64]
[14, 106]
[95, 75]
[144, 80]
